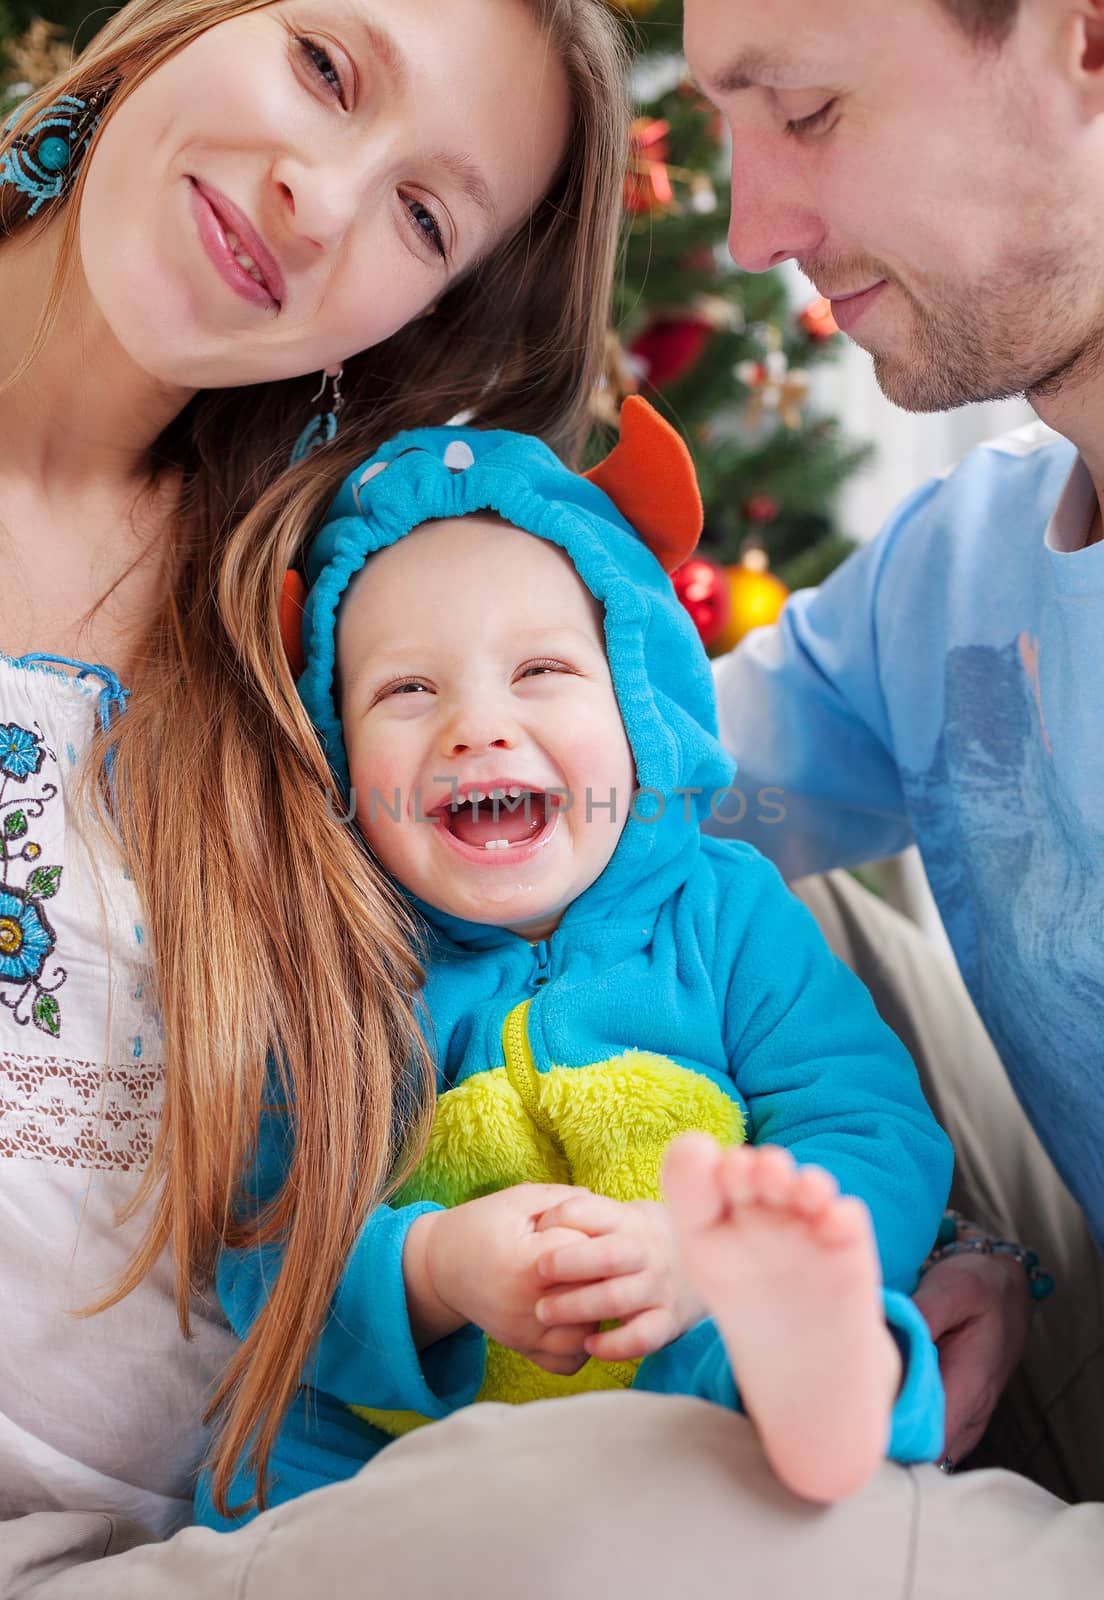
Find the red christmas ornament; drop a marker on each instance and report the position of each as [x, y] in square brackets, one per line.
[818, 321]
[705, 591]
[647, 182]
[761, 508]
[669, 346]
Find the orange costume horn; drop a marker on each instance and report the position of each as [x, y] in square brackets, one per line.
[650, 478]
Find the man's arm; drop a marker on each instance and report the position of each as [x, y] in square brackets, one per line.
[801, 707]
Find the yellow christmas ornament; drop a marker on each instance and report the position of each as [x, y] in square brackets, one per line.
[757, 598]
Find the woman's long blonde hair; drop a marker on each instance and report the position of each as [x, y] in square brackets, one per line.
[276, 939]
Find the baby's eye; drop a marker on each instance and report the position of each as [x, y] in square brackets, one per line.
[406, 687]
[533, 669]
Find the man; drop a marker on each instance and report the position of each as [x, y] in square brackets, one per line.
[934, 167]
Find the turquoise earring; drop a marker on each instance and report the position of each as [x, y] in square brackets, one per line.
[43, 162]
[322, 427]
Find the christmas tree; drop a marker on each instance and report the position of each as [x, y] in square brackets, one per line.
[723, 354]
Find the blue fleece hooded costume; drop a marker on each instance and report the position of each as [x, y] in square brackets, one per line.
[685, 988]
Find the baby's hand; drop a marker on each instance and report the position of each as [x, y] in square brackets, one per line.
[627, 1267]
[478, 1263]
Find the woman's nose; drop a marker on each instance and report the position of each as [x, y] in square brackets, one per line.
[319, 204]
[323, 193]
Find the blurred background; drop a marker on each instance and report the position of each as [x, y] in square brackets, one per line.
[799, 455]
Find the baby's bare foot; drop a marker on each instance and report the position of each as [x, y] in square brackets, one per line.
[788, 1269]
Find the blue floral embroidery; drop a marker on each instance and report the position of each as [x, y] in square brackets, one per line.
[27, 939]
[21, 752]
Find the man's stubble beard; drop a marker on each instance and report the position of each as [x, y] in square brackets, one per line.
[1035, 328]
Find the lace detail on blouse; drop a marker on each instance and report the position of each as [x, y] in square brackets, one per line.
[98, 1413]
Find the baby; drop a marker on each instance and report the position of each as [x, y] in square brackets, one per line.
[519, 712]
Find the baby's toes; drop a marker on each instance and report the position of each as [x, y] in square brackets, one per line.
[813, 1191]
[736, 1175]
[690, 1181]
[772, 1177]
[843, 1224]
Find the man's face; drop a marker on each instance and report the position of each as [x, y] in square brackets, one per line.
[935, 190]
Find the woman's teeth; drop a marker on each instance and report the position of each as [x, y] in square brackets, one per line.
[244, 259]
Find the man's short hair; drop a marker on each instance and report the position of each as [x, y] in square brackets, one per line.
[986, 21]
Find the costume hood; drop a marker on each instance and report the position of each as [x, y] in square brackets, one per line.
[660, 672]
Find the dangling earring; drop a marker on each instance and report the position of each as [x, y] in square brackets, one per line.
[322, 427]
[44, 161]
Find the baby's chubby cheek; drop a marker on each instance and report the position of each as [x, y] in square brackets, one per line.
[384, 802]
[602, 781]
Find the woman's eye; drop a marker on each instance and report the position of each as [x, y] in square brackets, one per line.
[813, 123]
[427, 225]
[322, 63]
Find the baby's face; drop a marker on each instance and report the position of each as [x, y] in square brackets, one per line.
[472, 662]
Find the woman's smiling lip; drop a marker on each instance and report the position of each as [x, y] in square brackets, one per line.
[216, 216]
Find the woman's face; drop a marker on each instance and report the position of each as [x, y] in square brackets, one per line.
[361, 155]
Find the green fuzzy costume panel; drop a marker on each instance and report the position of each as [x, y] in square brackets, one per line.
[605, 1127]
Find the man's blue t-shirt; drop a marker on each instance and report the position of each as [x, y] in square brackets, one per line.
[946, 686]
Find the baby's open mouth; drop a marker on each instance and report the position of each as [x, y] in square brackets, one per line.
[499, 819]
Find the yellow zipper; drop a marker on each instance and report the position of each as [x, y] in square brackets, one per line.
[521, 1071]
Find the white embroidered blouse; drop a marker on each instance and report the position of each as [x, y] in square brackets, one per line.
[100, 1413]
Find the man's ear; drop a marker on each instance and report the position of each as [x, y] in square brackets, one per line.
[1081, 35]
[1092, 59]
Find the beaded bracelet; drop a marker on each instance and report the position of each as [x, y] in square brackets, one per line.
[957, 1236]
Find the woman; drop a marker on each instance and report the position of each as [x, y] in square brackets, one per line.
[217, 205]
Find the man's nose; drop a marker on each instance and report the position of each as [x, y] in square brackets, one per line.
[770, 221]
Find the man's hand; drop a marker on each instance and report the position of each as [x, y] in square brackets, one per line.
[478, 1263]
[627, 1267]
[978, 1309]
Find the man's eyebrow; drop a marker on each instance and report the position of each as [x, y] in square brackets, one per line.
[760, 69]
